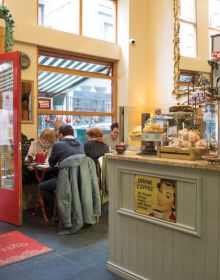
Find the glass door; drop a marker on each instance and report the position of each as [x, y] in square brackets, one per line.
[10, 159]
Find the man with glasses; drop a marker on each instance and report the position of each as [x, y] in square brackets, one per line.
[112, 139]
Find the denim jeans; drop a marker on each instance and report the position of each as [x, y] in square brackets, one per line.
[47, 189]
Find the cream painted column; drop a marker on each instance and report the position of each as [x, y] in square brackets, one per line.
[145, 73]
[148, 80]
[123, 41]
[160, 54]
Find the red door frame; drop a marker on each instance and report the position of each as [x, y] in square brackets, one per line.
[11, 200]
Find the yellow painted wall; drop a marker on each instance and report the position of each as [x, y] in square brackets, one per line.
[145, 72]
[28, 36]
[160, 54]
[150, 61]
[123, 41]
[149, 76]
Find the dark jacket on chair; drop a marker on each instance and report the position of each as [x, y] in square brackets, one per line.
[78, 197]
[65, 148]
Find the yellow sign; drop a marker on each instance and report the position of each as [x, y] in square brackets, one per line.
[155, 197]
[145, 195]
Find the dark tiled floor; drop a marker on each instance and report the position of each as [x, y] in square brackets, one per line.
[79, 256]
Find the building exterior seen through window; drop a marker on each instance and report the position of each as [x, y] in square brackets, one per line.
[79, 123]
[97, 17]
[75, 91]
[188, 25]
[214, 14]
[188, 28]
[214, 20]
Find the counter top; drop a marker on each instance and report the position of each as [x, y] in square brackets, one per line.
[132, 156]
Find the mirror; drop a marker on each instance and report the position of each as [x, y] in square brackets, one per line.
[191, 81]
[185, 81]
[27, 106]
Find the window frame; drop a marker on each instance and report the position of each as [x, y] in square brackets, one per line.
[113, 78]
[80, 33]
[210, 36]
[192, 23]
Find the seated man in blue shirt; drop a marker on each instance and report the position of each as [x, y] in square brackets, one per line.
[67, 146]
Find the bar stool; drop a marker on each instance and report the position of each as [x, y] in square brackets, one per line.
[40, 200]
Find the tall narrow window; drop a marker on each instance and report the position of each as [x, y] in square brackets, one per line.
[187, 28]
[99, 19]
[41, 14]
[214, 19]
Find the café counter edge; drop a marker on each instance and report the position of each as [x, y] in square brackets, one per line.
[144, 247]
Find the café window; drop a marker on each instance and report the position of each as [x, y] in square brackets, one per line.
[91, 18]
[99, 19]
[188, 46]
[76, 90]
[214, 19]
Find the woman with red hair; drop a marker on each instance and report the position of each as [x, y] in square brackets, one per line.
[95, 147]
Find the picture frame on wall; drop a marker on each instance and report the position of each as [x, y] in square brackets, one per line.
[27, 101]
[45, 103]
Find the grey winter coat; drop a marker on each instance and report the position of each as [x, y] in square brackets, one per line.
[78, 196]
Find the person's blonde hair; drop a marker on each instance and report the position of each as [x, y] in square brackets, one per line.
[94, 132]
[49, 135]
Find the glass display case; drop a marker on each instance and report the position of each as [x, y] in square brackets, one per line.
[182, 127]
[144, 130]
[210, 125]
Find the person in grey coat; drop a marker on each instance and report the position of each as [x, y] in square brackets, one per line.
[78, 196]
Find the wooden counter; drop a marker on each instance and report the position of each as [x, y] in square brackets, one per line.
[131, 156]
[144, 247]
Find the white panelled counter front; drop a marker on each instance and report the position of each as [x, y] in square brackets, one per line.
[142, 246]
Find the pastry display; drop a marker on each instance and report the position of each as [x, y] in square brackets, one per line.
[187, 139]
[183, 133]
[180, 143]
[136, 132]
[153, 126]
[193, 136]
[201, 144]
[181, 108]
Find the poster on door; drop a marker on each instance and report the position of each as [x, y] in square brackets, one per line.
[155, 197]
[7, 100]
[4, 124]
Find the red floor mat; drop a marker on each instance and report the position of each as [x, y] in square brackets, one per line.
[15, 247]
